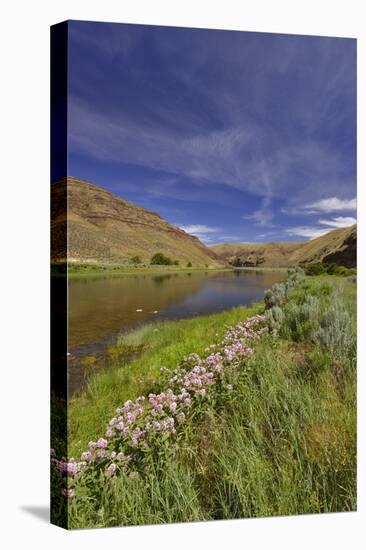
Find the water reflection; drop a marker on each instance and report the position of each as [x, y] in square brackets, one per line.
[101, 308]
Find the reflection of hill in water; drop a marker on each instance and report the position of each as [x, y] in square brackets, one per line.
[101, 306]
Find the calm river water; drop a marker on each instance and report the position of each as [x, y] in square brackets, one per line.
[102, 308]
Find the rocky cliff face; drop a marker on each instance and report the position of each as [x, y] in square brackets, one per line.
[346, 255]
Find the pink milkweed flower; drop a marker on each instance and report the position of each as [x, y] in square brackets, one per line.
[70, 468]
[111, 470]
[101, 443]
[87, 456]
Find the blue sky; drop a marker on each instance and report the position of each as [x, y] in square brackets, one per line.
[233, 136]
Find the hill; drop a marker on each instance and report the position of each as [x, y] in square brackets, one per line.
[251, 255]
[103, 228]
[337, 246]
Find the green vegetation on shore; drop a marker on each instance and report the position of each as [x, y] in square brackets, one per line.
[329, 269]
[283, 441]
[157, 345]
[90, 269]
[98, 270]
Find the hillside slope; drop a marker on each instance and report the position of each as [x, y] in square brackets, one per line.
[338, 246]
[103, 228]
[251, 255]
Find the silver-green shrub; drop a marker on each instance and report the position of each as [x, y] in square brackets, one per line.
[301, 319]
[310, 309]
[275, 296]
[295, 275]
[336, 331]
[275, 318]
[279, 294]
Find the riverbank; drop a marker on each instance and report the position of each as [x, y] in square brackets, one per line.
[87, 270]
[275, 437]
[91, 270]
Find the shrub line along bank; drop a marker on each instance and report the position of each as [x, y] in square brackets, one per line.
[140, 428]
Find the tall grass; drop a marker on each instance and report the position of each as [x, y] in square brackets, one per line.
[288, 445]
[283, 441]
[160, 345]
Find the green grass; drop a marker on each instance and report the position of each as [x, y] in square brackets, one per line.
[262, 268]
[76, 270]
[158, 345]
[283, 443]
[287, 446]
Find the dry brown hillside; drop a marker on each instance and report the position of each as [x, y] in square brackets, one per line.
[337, 246]
[264, 254]
[103, 228]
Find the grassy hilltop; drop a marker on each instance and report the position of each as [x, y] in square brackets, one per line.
[105, 229]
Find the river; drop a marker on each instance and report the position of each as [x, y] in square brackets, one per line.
[101, 308]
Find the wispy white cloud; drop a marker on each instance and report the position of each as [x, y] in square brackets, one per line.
[339, 221]
[311, 232]
[332, 204]
[264, 215]
[322, 206]
[203, 232]
[234, 156]
[194, 229]
[306, 231]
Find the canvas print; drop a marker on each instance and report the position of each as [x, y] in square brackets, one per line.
[203, 274]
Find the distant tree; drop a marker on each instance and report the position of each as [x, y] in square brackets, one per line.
[315, 269]
[189, 264]
[176, 262]
[160, 259]
[136, 260]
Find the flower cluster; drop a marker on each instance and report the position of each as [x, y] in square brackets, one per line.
[68, 468]
[139, 426]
